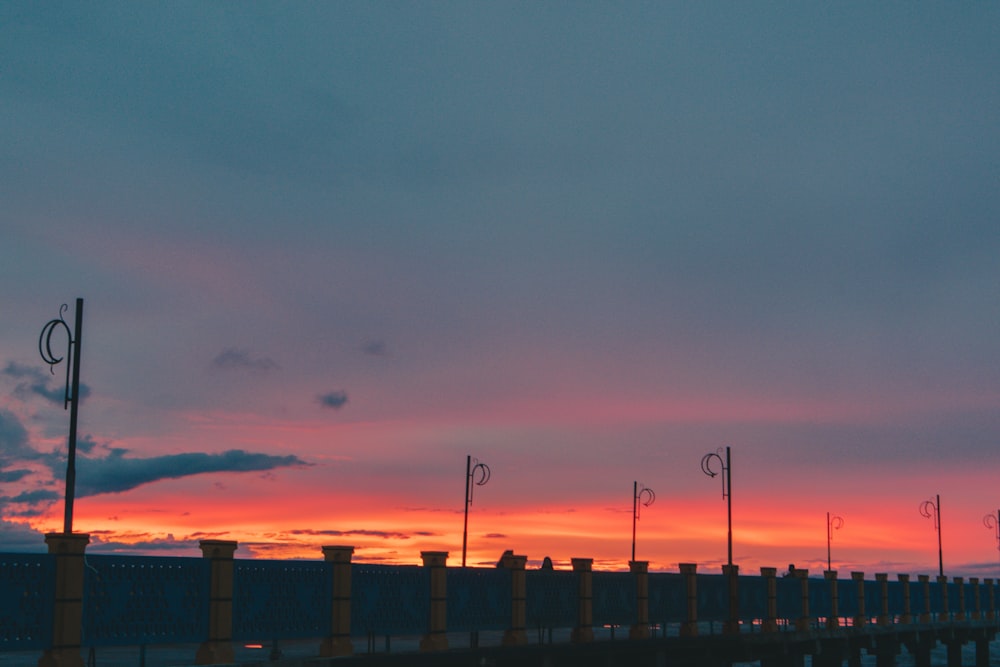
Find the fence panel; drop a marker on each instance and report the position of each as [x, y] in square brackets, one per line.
[274, 599]
[614, 596]
[667, 598]
[27, 591]
[479, 599]
[132, 600]
[552, 599]
[753, 597]
[389, 599]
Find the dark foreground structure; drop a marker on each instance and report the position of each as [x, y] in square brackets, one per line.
[66, 604]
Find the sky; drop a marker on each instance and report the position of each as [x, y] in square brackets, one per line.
[329, 250]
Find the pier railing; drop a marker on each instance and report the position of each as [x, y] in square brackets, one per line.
[63, 601]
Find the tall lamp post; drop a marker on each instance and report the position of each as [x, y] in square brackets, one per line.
[727, 487]
[992, 522]
[931, 509]
[475, 475]
[832, 523]
[641, 497]
[72, 394]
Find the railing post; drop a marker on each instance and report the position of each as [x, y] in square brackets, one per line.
[640, 569]
[991, 598]
[904, 582]
[770, 575]
[883, 598]
[925, 582]
[339, 641]
[67, 612]
[732, 626]
[516, 634]
[584, 630]
[960, 614]
[945, 614]
[218, 649]
[861, 619]
[689, 628]
[436, 638]
[803, 623]
[833, 620]
[977, 608]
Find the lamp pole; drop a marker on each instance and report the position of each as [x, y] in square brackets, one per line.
[931, 509]
[475, 475]
[992, 522]
[832, 523]
[72, 394]
[727, 487]
[641, 497]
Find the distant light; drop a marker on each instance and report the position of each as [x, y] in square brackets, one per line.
[253, 646]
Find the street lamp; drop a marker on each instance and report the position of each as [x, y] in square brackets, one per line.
[727, 486]
[931, 509]
[832, 523]
[992, 522]
[71, 398]
[641, 497]
[475, 475]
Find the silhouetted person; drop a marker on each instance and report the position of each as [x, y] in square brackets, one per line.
[791, 570]
[546, 564]
[509, 552]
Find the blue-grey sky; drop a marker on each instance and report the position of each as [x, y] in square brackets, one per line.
[350, 243]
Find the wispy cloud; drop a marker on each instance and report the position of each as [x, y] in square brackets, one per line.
[34, 381]
[236, 359]
[333, 399]
[116, 472]
[375, 348]
[383, 534]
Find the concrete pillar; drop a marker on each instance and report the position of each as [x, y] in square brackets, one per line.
[982, 652]
[960, 613]
[977, 610]
[689, 628]
[804, 623]
[436, 638]
[339, 641]
[904, 582]
[584, 630]
[219, 647]
[954, 653]
[883, 597]
[925, 582]
[991, 599]
[67, 612]
[833, 620]
[770, 575]
[640, 630]
[861, 619]
[516, 634]
[732, 626]
[945, 614]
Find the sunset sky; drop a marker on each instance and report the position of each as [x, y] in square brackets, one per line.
[328, 250]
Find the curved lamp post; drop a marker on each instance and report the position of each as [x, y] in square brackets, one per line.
[992, 522]
[832, 523]
[72, 394]
[641, 497]
[931, 509]
[727, 486]
[475, 475]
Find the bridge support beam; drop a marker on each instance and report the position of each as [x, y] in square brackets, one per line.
[584, 630]
[436, 638]
[339, 641]
[640, 569]
[67, 613]
[219, 647]
[982, 652]
[516, 635]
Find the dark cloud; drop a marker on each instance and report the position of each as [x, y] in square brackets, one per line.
[14, 445]
[333, 399]
[7, 476]
[116, 472]
[34, 497]
[233, 358]
[34, 381]
[495, 536]
[375, 348]
[20, 538]
[100, 543]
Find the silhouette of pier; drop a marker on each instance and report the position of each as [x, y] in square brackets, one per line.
[66, 604]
